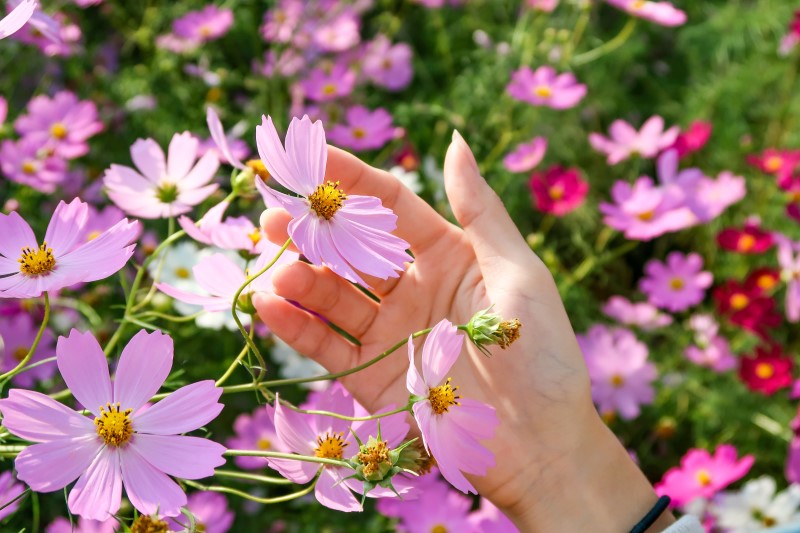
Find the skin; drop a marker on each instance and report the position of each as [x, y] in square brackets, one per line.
[559, 468]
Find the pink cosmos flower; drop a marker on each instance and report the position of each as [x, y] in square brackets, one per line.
[702, 475]
[711, 197]
[9, 490]
[558, 191]
[281, 21]
[55, 36]
[641, 314]
[3, 110]
[716, 355]
[544, 87]
[678, 284]
[663, 13]
[163, 187]
[388, 65]
[125, 444]
[254, 432]
[208, 24]
[323, 85]
[542, 5]
[792, 37]
[437, 506]
[17, 333]
[287, 63]
[338, 34]
[27, 163]
[62, 123]
[222, 142]
[693, 139]
[489, 518]
[62, 525]
[789, 259]
[210, 511]
[619, 371]
[99, 221]
[365, 129]
[17, 18]
[451, 426]
[344, 232]
[235, 233]
[526, 156]
[28, 269]
[625, 141]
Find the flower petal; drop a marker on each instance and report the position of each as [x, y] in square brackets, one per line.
[143, 367]
[182, 153]
[306, 147]
[278, 163]
[180, 456]
[149, 489]
[298, 471]
[414, 382]
[16, 235]
[209, 303]
[98, 492]
[333, 494]
[84, 368]
[218, 134]
[293, 429]
[219, 275]
[53, 465]
[186, 409]
[148, 157]
[36, 417]
[15, 20]
[440, 352]
[100, 257]
[66, 226]
[202, 173]
[296, 207]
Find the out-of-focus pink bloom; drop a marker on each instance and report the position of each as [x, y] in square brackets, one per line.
[62, 123]
[558, 190]
[3, 111]
[280, 22]
[163, 187]
[716, 355]
[62, 525]
[768, 372]
[235, 233]
[100, 221]
[751, 239]
[792, 37]
[526, 156]
[87, 3]
[287, 63]
[451, 426]
[693, 139]
[26, 162]
[489, 518]
[388, 65]
[17, 334]
[17, 18]
[678, 284]
[618, 368]
[254, 432]
[640, 314]
[542, 5]
[702, 475]
[793, 459]
[62, 259]
[173, 43]
[346, 233]
[711, 197]
[625, 141]
[210, 511]
[9, 490]
[789, 259]
[324, 85]
[545, 87]
[55, 36]
[663, 13]
[437, 505]
[364, 130]
[340, 33]
[125, 444]
[208, 24]
[780, 163]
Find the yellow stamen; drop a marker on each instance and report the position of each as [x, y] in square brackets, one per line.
[257, 166]
[58, 130]
[93, 235]
[773, 163]
[442, 397]
[167, 192]
[508, 332]
[329, 89]
[745, 243]
[608, 417]
[617, 380]
[638, 4]
[331, 446]
[264, 444]
[556, 192]
[739, 301]
[182, 272]
[29, 167]
[20, 353]
[704, 477]
[765, 370]
[373, 457]
[205, 31]
[439, 528]
[150, 524]
[214, 94]
[543, 91]
[113, 425]
[766, 282]
[37, 262]
[676, 284]
[255, 236]
[327, 200]
[646, 216]
[359, 133]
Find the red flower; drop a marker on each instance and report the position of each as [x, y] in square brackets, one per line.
[762, 280]
[746, 305]
[693, 139]
[767, 372]
[749, 240]
[558, 190]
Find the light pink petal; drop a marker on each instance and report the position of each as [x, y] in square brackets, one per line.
[126, 180]
[219, 275]
[333, 494]
[186, 409]
[182, 153]
[298, 471]
[414, 382]
[11, 23]
[306, 147]
[443, 450]
[51, 466]
[278, 163]
[423, 415]
[180, 456]
[623, 133]
[98, 492]
[329, 250]
[218, 134]
[143, 367]
[209, 303]
[192, 197]
[8, 266]
[66, 226]
[103, 256]
[478, 418]
[84, 368]
[15, 234]
[440, 351]
[36, 417]
[652, 129]
[193, 231]
[149, 489]
[203, 171]
[296, 207]
[148, 157]
[293, 429]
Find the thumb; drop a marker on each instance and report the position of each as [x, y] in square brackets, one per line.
[494, 236]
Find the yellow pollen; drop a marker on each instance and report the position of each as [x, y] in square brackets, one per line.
[205, 31]
[646, 216]
[150, 524]
[556, 192]
[182, 272]
[264, 444]
[20, 353]
[609, 417]
[329, 89]
[638, 4]
[29, 167]
[386, 64]
[257, 166]
[280, 16]
[373, 456]
[508, 332]
[543, 91]
[255, 236]
[113, 425]
[739, 301]
[765, 370]
[327, 200]
[58, 130]
[439, 528]
[773, 163]
[359, 133]
[37, 262]
[745, 243]
[331, 446]
[676, 284]
[93, 235]
[617, 380]
[442, 397]
[704, 478]
[214, 94]
[766, 282]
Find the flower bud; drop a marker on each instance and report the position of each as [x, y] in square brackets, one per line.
[485, 329]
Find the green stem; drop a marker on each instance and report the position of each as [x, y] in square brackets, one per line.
[405, 408]
[290, 456]
[276, 499]
[233, 366]
[252, 477]
[171, 318]
[17, 369]
[608, 46]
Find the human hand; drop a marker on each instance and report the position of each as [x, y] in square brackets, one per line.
[558, 466]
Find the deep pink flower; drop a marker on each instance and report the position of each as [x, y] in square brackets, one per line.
[451, 426]
[678, 284]
[526, 156]
[618, 368]
[254, 432]
[210, 511]
[768, 372]
[792, 37]
[17, 333]
[62, 123]
[17, 18]
[324, 85]
[62, 259]
[388, 65]
[625, 141]
[163, 187]
[27, 162]
[346, 233]
[702, 475]
[751, 239]
[693, 139]
[781, 163]
[364, 130]
[544, 87]
[9, 490]
[558, 190]
[640, 314]
[663, 13]
[208, 24]
[125, 444]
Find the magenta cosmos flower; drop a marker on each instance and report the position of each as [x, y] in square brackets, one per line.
[663, 13]
[702, 475]
[625, 141]
[210, 511]
[346, 233]
[558, 190]
[324, 85]
[62, 123]
[25, 162]
[526, 156]
[388, 65]
[122, 444]
[17, 18]
[28, 269]
[678, 284]
[438, 508]
[163, 187]
[618, 368]
[17, 333]
[364, 130]
[208, 24]
[9, 490]
[544, 87]
[451, 426]
[254, 432]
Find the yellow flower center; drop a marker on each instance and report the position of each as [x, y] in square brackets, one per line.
[205, 31]
[676, 284]
[20, 353]
[113, 425]
[745, 243]
[609, 417]
[739, 301]
[331, 446]
[37, 262]
[29, 167]
[58, 130]
[638, 4]
[167, 192]
[214, 94]
[617, 380]
[92, 235]
[442, 397]
[182, 272]
[264, 444]
[556, 192]
[373, 457]
[773, 163]
[257, 166]
[327, 199]
[543, 91]
[150, 524]
[765, 370]
[438, 528]
[646, 216]
[255, 236]
[766, 282]
[329, 89]
[359, 133]
[704, 478]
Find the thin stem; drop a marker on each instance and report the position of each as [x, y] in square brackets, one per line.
[17, 369]
[405, 408]
[252, 477]
[276, 499]
[171, 318]
[290, 456]
[233, 366]
[82, 307]
[608, 46]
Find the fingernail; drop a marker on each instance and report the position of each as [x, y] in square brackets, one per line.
[462, 144]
